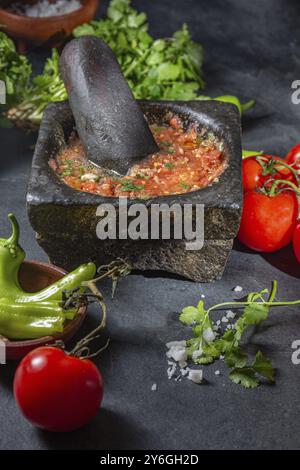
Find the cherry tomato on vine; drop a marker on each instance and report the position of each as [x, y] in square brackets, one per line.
[56, 391]
[252, 171]
[296, 242]
[259, 169]
[293, 157]
[268, 222]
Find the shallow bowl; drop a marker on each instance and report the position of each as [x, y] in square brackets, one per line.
[50, 31]
[34, 276]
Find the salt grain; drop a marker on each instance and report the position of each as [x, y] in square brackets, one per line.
[196, 376]
[171, 371]
[43, 8]
[177, 354]
[182, 364]
[217, 372]
[238, 289]
[230, 314]
[209, 335]
[154, 387]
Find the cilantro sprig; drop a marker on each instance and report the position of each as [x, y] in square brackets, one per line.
[156, 69]
[15, 70]
[255, 310]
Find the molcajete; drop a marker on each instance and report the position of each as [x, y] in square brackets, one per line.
[65, 219]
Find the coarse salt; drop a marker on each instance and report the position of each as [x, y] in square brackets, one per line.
[195, 375]
[177, 354]
[238, 289]
[230, 314]
[43, 8]
[209, 335]
[171, 371]
[154, 387]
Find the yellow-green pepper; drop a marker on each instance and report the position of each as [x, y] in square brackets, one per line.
[32, 315]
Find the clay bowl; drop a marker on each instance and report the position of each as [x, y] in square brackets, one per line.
[50, 31]
[35, 276]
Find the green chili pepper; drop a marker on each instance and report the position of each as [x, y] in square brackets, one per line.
[17, 326]
[11, 258]
[73, 280]
[32, 315]
[242, 107]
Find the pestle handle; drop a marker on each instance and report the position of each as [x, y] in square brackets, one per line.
[109, 121]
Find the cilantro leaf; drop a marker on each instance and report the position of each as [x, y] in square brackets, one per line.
[15, 70]
[235, 357]
[244, 376]
[255, 313]
[263, 366]
[190, 315]
[205, 348]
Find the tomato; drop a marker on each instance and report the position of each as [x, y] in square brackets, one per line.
[293, 157]
[296, 242]
[268, 222]
[56, 391]
[252, 174]
[255, 176]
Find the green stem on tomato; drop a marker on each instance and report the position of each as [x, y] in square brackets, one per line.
[273, 188]
[261, 159]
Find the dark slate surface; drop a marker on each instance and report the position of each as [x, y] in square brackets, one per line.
[252, 49]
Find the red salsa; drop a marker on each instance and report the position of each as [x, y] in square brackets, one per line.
[188, 160]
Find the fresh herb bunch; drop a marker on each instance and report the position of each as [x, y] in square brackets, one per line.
[210, 347]
[155, 69]
[15, 70]
[159, 69]
[44, 89]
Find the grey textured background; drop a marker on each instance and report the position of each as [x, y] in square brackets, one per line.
[252, 50]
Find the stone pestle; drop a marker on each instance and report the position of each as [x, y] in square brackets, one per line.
[109, 121]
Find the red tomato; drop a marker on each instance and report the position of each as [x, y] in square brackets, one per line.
[296, 242]
[252, 171]
[253, 176]
[57, 392]
[294, 157]
[268, 222]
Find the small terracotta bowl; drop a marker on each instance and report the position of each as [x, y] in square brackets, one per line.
[35, 276]
[51, 31]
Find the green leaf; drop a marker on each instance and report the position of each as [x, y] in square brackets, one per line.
[189, 315]
[255, 313]
[235, 358]
[263, 366]
[204, 360]
[244, 376]
[167, 71]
